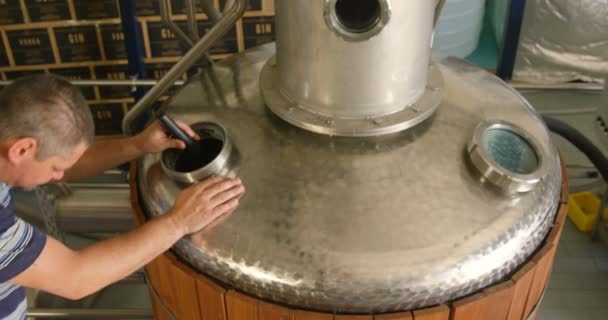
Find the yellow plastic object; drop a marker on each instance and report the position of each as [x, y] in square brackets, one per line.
[583, 208]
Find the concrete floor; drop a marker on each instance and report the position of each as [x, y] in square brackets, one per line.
[578, 287]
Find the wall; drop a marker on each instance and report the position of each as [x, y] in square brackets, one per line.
[83, 39]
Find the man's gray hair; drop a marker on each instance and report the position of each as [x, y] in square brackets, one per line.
[49, 109]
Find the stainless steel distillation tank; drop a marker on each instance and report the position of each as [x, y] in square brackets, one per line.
[377, 180]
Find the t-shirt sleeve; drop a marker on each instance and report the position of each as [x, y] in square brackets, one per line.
[20, 245]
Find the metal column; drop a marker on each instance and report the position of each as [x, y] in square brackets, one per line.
[135, 47]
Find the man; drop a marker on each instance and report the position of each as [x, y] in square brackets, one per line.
[46, 131]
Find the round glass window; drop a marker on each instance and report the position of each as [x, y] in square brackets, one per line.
[510, 150]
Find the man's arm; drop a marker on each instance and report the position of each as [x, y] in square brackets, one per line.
[110, 153]
[76, 274]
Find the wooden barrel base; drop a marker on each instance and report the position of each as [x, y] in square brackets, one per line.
[190, 295]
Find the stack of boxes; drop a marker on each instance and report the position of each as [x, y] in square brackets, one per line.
[83, 39]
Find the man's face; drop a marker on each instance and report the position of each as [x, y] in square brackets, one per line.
[35, 172]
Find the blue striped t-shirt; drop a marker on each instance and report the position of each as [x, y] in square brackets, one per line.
[20, 246]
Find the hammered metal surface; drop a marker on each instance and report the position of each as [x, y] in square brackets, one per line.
[359, 224]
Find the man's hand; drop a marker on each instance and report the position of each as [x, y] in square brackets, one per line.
[76, 274]
[199, 205]
[155, 138]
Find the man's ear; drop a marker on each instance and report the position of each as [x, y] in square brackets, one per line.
[22, 149]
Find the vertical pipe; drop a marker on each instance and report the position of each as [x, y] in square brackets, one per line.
[133, 41]
[511, 39]
[166, 19]
[187, 61]
[227, 4]
[438, 10]
[40, 313]
[192, 25]
[210, 10]
[135, 48]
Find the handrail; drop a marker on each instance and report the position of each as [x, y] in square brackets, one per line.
[43, 313]
[166, 19]
[109, 83]
[189, 59]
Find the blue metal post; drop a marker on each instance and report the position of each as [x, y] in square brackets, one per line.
[135, 52]
[515, 18]
[134, 44]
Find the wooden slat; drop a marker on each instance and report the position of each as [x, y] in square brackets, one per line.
[542, 260]
[522, 280]
[498, 300]
[562, 214]
[137, 213]
[565, 187]
[551, 260]
[560, 222]
[550, 267]
[212, 299]
[164, 288]
[241, 307]
[394, 316]
[469, 308]
[306, 315]
[186, 296]
[554, 234]
[441, 312]
[153, 275]
[159, 312]
[156, 270]
[353, 317]
[269, 311]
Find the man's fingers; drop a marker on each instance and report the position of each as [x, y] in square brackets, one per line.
[178, 144]
[200, 186]
[222, 197]
[226, 207]
[218, 220]
[188, 130]
[222, 186]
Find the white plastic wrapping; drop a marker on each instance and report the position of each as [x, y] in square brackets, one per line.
[458, 28]
[562, 41]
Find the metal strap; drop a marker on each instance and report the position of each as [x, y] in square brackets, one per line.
[46, 204]
[157, 297]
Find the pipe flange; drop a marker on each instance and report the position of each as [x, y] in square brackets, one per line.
[302, 117]
[507, 156]
[351, 23]
[218, 157]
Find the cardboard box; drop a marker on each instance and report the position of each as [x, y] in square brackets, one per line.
[48, 10]
[163, 43]
[77, 44]
[157, 70]
[108, 117]
[113, 72]
[113, 40]
[31, 46]
[179, 7]
[258, 31]
[228, 44]
[78, 73]
[97, 9]
[10, 12]
[252, 5]
[147, 8]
